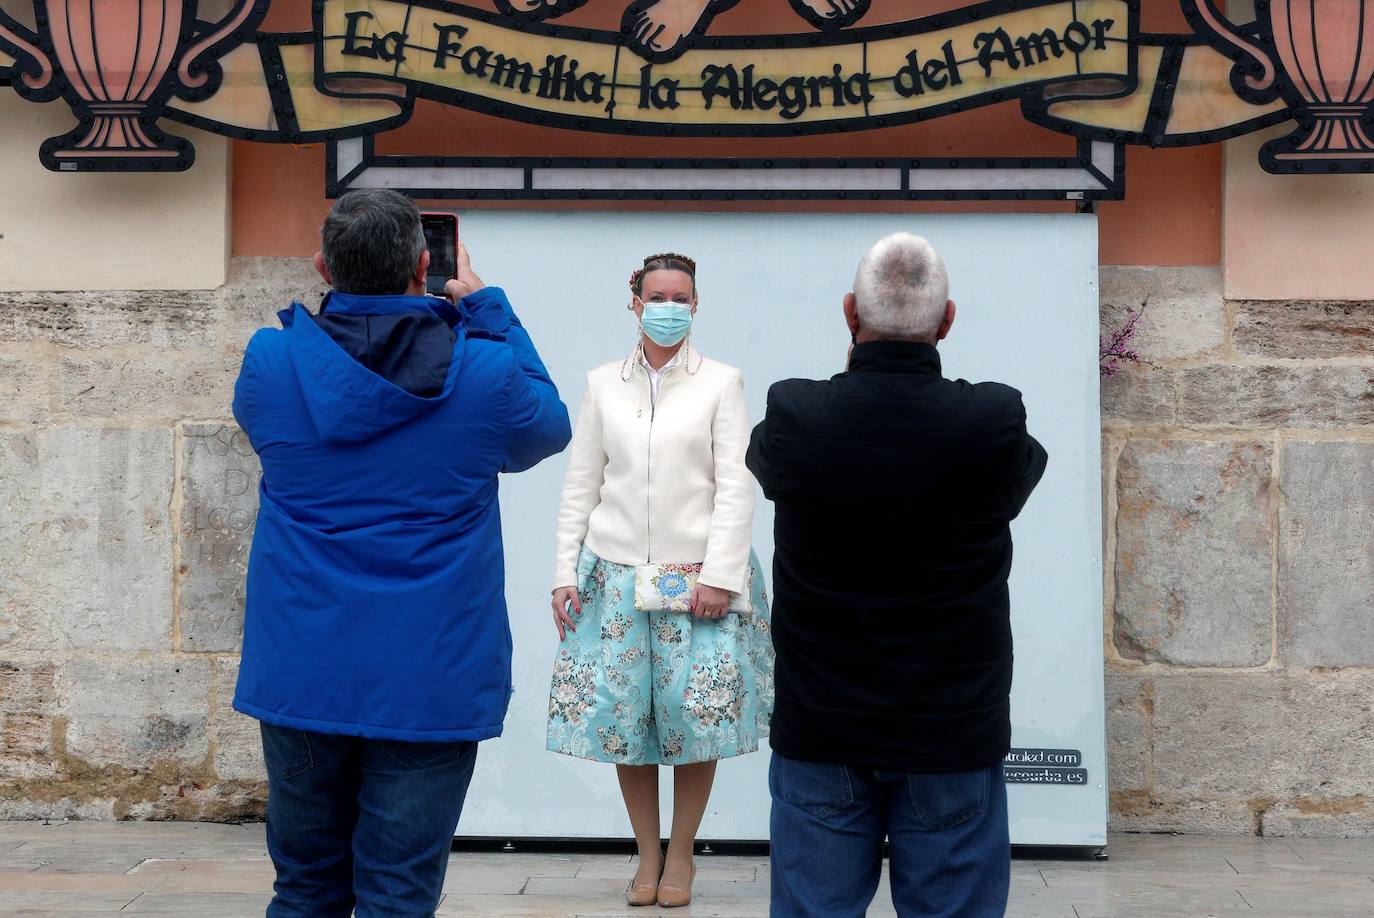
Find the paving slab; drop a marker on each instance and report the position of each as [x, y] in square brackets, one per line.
[30, 903]
[477, 906]
[199, 904]
[602, 888]
[212, 871]
[204, 875]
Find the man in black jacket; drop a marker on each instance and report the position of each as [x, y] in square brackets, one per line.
[894, 489]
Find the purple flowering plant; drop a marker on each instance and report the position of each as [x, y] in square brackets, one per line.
[1116, 346]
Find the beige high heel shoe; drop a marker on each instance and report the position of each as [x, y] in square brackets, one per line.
[641, 894]
[673, 897]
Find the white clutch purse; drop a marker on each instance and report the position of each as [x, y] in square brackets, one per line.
[669, 588]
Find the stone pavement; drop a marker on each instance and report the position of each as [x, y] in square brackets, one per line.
[215, 871]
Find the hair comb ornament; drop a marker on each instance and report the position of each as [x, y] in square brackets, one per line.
[674, 256]
[638, 275]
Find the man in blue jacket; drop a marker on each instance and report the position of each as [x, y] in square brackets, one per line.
[376, 648]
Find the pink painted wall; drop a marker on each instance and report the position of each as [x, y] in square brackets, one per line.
[1295, 236]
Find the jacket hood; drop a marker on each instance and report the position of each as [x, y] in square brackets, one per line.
[347, 401]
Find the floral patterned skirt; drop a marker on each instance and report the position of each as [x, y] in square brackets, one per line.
[659, 688]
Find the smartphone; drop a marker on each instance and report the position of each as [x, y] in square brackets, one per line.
[441, 238]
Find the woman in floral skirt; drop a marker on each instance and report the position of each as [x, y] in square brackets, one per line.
[665, 656]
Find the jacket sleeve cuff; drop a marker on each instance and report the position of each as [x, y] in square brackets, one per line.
[488, 310]
[721, 579]
[564, 576]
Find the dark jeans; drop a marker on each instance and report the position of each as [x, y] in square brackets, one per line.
[949, 851]
[359, 823]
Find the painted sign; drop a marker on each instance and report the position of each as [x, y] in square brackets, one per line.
[1078, 67]
[1061, 767]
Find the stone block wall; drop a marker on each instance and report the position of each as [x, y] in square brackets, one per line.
[128, 499]
[1238, 622]
[1239, 613]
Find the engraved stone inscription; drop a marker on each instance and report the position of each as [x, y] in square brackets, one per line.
[220, 475]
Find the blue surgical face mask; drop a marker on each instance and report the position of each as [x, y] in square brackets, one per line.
[666, 323]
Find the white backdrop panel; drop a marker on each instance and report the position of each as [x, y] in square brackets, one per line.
[771, 289]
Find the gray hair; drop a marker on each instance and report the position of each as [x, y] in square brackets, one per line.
[901, 289]
[372, 240]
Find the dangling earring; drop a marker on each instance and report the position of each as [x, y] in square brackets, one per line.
[639, 330]
[636, 355]
[687, 355]
[639, 338]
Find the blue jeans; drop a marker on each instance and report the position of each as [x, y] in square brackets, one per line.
[359, 823]
[949, 851]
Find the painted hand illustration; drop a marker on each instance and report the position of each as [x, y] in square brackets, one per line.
[661, 30]
[831, 14]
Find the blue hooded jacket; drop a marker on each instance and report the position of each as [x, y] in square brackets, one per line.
[376, 583]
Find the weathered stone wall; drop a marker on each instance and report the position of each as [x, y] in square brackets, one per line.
[1239, 614]
[127, 500]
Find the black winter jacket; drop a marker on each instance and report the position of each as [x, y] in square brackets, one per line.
[894, 490]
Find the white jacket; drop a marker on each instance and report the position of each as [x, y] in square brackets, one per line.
[657, 482]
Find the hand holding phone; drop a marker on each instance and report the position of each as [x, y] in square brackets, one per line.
[465, 282]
